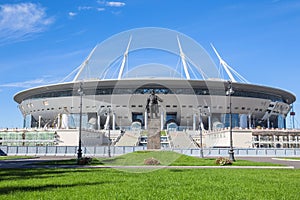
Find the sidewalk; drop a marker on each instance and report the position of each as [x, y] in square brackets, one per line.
[33, 163]
[294, 163]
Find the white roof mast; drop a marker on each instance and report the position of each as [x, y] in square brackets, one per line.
[224, 64]
[124, 59]
[183, 60]
[82, 66]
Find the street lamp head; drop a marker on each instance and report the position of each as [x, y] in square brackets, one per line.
[79, 91]
[229, 90]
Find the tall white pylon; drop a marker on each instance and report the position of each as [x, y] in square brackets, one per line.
[82, 66]
[229, 69]
[124, 59]
[187, 74]
[224, 64]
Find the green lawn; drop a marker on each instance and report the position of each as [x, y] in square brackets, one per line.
[108, 183]
[160, 184]
[15, 157]
[171, 158]
[166, 158]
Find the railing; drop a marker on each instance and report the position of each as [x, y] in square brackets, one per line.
[115, 151]
[249, 152]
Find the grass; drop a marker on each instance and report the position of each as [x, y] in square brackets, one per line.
[138, 157]
[166, 158]
[173, 159]
[163, 133]
[15, 157]
[160, 184]
[72, 161]
[109, 183]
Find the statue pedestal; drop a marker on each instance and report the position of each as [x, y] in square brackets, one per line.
[153, 141]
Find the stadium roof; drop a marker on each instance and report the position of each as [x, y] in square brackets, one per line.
[148, 53]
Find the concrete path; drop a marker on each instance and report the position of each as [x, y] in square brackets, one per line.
[287, 162]
[32, 163]
[29, 163]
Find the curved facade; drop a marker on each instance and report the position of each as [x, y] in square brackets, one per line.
[192, 91]
[185, 102]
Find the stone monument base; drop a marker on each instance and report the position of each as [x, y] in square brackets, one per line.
[153, 141]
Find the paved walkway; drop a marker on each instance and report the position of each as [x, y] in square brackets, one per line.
[287, 162]
[32, 163]
[29, 163]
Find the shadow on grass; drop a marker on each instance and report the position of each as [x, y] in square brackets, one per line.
[22, 174]
[8, 190]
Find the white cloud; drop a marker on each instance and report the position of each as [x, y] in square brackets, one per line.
[72, 14]
[85, 8]
[103, 5]
[20, 21]
[100, 9]
[101, 2]
[115, 4]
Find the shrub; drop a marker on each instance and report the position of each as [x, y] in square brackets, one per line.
[223, 161]
[151, 161]
[84, 161]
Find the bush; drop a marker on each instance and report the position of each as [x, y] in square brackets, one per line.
[223, 161]
[84, 161]
[151, 161]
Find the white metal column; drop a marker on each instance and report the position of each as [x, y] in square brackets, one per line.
[114, 121]
[58, 121]
[161, 120]
[209, 122]
[98, 122]
[146, 120]
[249, 121]
[194, 122]
[40, 120]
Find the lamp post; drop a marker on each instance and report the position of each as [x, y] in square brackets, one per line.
[200, 130]
[80, 92]
[229, 92]
[108, 113]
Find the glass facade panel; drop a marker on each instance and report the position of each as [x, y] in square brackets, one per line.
[281, 121]
[225, 118]
[74, 120]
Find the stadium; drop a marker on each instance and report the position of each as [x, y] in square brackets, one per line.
[110, 88]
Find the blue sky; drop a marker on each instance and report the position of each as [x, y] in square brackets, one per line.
[41, 42]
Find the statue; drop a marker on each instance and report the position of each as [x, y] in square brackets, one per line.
[152, 104]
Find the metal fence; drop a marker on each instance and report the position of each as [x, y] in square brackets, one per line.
[102, 151]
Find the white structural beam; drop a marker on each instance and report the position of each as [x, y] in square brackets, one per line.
[40, 121]
[58, 121]
[182, 56]
[83, 65]
[124, 59]
[114, 121]
[146, 120]
[238, 75]
[99, 122]
[106, 126]
[162, 116]
[224, 64]
[194, 122]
